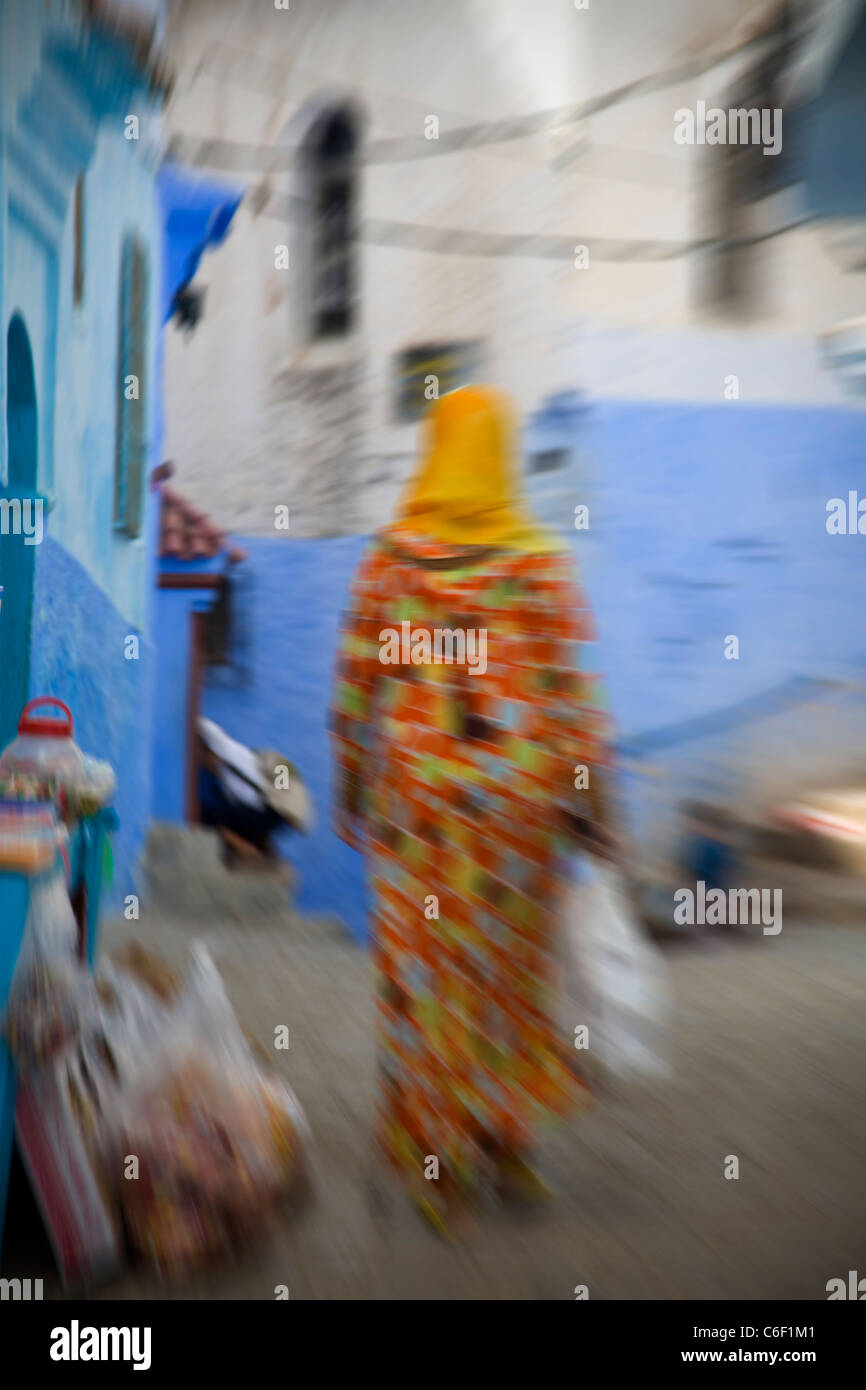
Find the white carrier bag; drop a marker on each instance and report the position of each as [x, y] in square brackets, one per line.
[615, 977]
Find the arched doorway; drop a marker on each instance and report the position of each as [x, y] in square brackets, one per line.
[17, 559]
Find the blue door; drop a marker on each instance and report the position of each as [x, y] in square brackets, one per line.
[17, 559]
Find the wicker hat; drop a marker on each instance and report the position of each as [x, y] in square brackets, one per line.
[284, 790]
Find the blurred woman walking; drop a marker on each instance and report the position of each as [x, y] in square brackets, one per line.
[460, 780]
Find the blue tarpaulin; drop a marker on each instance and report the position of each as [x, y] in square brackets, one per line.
[196, 214]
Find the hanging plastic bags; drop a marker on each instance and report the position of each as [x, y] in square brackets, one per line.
[617, 978]
[143, 1096]
[51, 990]
[216, 1142]
[70, 1094]
[57, 1125]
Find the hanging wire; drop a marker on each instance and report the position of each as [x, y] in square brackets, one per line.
[272, 159]
[251, 157]
[454, 241]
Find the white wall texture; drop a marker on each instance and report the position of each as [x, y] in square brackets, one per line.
[257, 417]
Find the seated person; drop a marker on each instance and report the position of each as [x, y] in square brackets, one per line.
[240, 795]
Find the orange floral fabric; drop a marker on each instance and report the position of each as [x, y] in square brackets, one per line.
[456, 782]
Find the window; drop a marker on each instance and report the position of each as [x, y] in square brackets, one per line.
[549, 460]
[423, 373]
[130, 453]
[218, 626]
[78, 234]
[331, 150]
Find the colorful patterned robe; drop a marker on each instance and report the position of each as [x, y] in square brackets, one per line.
[458, 781]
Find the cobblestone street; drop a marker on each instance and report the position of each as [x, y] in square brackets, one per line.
[768, 1067]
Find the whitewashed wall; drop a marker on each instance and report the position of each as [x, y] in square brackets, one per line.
[256, 418]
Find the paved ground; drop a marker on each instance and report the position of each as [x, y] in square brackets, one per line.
[768, 1055]
[768, 1050]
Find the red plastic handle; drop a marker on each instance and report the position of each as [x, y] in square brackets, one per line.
[27, 725]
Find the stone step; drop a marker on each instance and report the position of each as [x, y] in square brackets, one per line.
[185, 875]
[191, 846]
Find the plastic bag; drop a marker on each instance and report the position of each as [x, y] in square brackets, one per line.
[51, 990]
[57, 1126]
[206, 1015]
[217, 1141]
[619, 978]
[93, 789]
[127, 1024]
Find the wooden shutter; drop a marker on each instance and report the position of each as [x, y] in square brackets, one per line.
[131, 437]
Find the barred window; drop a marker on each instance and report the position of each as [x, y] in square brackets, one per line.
[130, 454]
[218, 626]
[332, 170]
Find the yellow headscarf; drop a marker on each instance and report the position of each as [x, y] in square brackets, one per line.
[466, 490]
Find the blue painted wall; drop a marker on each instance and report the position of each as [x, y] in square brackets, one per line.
[290, 602]
[168, 754]
[65, 92]
[119, 198]
[705, 520]
[78, 655]
[171, 627]
[710, 520]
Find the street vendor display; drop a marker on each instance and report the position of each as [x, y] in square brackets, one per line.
[147, 1119]
[44, 764]
[218, 1141]
[53, 822]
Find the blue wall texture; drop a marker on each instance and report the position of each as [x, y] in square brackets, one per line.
[705, 521]
[170, 627]
[66, 88]
[709, 521]
[78, 655]
[288, 610]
